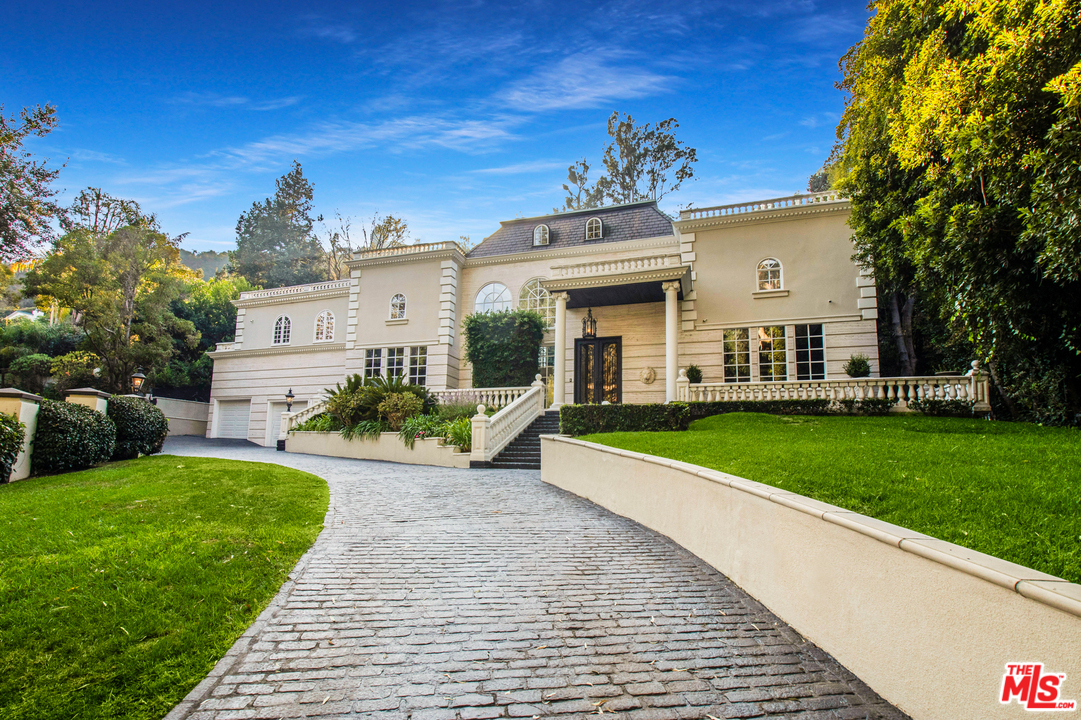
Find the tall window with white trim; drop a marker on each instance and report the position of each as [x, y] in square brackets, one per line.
[324, 326]
[418, 366]
[737, 355]
[772, 353]
[281, 330]
[395, 362]
[373, 362]
[536, 298]
[769, 274]
[810, 352]
[493, 297]
[397, 307]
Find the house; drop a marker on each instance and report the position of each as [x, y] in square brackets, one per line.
[32, 314]
[750, 293]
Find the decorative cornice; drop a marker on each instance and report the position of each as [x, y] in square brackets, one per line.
[699, 325]
[291, 350]
[438, 251]
[578, 282]
[294, 298]
[762, 216]
[585, 250]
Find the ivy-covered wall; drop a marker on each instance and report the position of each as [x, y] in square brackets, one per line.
[503, 347]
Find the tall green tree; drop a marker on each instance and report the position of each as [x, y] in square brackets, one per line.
[27, 198]
[121, 287]
[275, 242]
[956, 149]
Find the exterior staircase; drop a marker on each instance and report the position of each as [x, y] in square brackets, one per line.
[524, 451]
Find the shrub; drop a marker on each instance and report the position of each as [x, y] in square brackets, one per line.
[141, 428]
[74, 370]
[359, 400]
[942, 408]
[399, 407]
[323, 422]
[503, 347]
[70, 437]
[464, 406]
[460, 433]
[365, 429]
[867, 406]
[420, 427]
[857, 366]
[30, 371]
[12, 434]
[701, 410]
[588, 419]
[694, 373]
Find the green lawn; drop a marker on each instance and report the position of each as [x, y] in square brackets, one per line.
[122, 586]
[1011, 490]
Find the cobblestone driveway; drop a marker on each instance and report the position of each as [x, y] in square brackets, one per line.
[436, 594]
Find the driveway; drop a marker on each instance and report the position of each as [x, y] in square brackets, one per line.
[439, 594]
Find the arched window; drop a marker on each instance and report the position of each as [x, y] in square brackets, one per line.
[493, 297]
[540, 235]
[397, 307]
[769, 274]
[594, 229]
[324, 326]
[281, 330]
[534, 297]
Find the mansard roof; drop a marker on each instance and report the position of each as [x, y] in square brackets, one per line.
[632, 221]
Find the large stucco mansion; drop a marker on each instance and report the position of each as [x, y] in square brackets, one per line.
[750, 293]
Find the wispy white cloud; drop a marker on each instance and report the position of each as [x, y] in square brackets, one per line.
[584, 80]
[84, 155]
[325, 30]
[521, 168]
[215, 100]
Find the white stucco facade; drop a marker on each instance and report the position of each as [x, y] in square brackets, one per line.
[748, 293]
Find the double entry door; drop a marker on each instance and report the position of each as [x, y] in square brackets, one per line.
[598, 370]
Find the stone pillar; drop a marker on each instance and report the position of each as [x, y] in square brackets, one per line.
[90, 397]
[23, 406]
[559, 393]
[671, 338]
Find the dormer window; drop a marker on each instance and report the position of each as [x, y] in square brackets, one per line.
[281, 330]
[769, 274]
[594, 229]
[540, 235]
[397, 307]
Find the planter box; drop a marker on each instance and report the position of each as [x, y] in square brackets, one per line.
[387, 447]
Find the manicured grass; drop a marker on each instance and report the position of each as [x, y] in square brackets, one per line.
[1010, 490]
[122, 586]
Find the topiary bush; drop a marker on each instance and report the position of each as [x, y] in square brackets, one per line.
[858, 366]
[141, 428]
[588, 419]
[503, 347]
[70, 437]
[694, 373]
[399, 407]
[12, 434]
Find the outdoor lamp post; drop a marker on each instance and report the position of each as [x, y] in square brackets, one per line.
[589, 325]
[137, 380]
[289, 400]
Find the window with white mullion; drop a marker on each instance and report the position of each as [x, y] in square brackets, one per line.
[418, 366]
[810, 352]
[373, 362]
[772, 353]
[395, 362]
[737, 355]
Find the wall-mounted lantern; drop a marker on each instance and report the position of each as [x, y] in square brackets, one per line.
[137, 381]
[589, 325]
[289, 400]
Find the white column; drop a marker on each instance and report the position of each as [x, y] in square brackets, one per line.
[559, 393]
[671, 338]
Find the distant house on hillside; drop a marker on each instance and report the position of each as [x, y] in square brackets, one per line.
[31, 314]
[750, 293]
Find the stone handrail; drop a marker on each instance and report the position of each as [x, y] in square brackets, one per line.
[492, 434]
[613, 267]
[295, 289]
[291, 420]
[489, 397]
[971, 388]
[225, 346]
[831, 196]
[405, 250]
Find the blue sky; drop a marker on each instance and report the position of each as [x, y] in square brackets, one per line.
[451, 115]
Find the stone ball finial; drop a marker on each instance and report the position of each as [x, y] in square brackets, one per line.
[682, 373]
[480, 409]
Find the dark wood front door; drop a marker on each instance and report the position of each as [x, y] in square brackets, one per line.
[598, 370]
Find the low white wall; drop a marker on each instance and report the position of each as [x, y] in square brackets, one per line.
[927, 624]
[186, 417]
[386, 447]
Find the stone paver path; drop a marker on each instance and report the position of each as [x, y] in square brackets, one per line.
[436, 594]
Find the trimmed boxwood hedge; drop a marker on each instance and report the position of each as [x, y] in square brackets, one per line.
[141, 428]
[12, 433]
[587, 419]
[70, 437]
[701, 410]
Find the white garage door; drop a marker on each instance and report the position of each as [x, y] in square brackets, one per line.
[274, 419]
[233, 419]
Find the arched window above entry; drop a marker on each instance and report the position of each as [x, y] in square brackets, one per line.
[324, 326]
[493, 297]
[540, 235]
[769, 274]
[282, 327]
[534, 297]
[397, 307]
[594, 229]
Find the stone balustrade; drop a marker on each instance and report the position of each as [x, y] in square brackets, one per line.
[489, 397]
[831, 196]
[615, 267]
[291, 420]
[405, 250]
[295, 290]
[492, 434]
[972, 388]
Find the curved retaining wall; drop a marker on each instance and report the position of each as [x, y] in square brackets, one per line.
[928, 624]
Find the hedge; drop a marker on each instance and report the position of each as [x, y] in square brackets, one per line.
[701, 410]
[588, 419]
[504, 347]
[12, 433]
[70, 437]
[141, 428]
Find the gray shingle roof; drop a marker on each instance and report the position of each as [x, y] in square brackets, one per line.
[632, 221]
